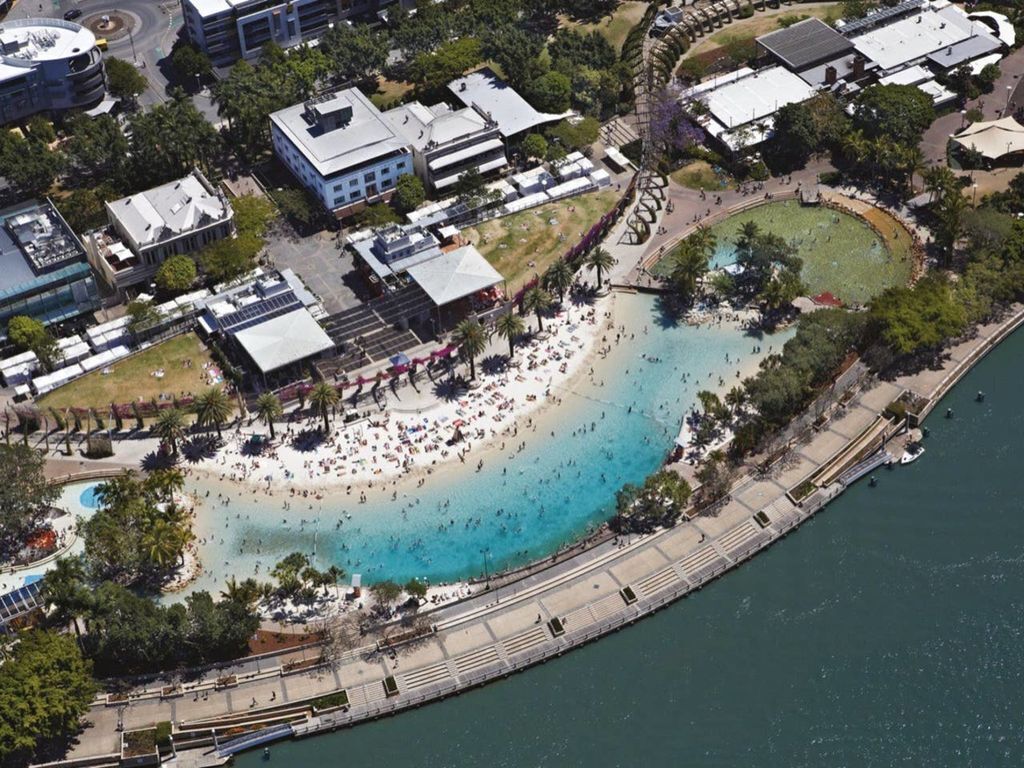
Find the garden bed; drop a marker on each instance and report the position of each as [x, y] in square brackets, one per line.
[556, 627]
[330, 701]
[628, 595]
[390, 686]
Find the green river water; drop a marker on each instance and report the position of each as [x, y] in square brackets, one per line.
[886, 631]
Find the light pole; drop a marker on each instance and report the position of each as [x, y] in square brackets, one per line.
[975, 185]
[1009, 93]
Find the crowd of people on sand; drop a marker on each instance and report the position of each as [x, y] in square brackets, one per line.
[372, 459]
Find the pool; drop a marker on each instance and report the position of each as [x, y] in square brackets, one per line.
[89, 498]
[841, 253]
[523, 504]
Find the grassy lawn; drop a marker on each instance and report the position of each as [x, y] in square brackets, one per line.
[700, 175]
[528, 242]
[132, 379]
[388, 91]
[762, 23]
[614, 28]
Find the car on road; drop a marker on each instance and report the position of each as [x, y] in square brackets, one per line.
[73, 14]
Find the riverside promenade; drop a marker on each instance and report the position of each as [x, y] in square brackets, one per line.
[518, 624]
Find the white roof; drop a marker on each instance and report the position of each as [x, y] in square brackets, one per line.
[169, 210]
[915, 36]
[283, 340]
[28, 40]
[979, 64]
[453, 275]
[757, 96]
[994, 138]
[909, 76]
[429, 127]
[1005, 29]
[364, 137]
[494, 97]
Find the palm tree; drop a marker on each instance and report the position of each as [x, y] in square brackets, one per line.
[165, 483]
[162, 542]
[537, 300]
[322, 398]
[213, 407]
[937, 179]
[268, 410]
[510, 326]
[334, 574]
[558, 278]
[600, 261]
[170, 428]
[471, 339]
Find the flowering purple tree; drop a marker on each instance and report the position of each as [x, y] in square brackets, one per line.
[672, 127]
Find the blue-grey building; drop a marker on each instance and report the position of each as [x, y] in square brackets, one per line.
[43, 269]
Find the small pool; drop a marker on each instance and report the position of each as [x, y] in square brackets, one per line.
[89, 497]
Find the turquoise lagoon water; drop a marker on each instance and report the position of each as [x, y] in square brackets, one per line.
[521, 506]
[88, 498]
[884, 632]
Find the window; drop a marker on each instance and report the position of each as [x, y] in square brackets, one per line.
[371, 176]
[385, 171]
[354, 183]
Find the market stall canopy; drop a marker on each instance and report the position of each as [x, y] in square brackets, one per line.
[993, 139]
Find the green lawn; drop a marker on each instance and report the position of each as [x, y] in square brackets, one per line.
[388, 91]
[528, 242]
[616, 27]
[133, 379]
[700, 175]
[761, 23]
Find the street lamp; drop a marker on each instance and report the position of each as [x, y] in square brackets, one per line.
[963, 118]
[975, 185]
[1009, 93]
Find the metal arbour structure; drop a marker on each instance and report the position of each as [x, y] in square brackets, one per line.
[653, 62]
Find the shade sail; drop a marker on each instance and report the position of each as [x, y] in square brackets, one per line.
[993, 139]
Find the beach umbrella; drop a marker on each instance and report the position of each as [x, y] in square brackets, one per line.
[400, 359]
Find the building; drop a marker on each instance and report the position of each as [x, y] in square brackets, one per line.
[446, 143]
[498, 101]
[341, 149]
[229, 30]
[268, 321]
[43, 268]
[179, 217]
[47, 66]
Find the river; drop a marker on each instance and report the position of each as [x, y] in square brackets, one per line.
[887, 630]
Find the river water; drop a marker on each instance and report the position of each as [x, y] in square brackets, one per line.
[886, 631]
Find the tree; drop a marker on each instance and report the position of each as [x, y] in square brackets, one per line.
[268, 410]
[659, 502]
[538, 301]
[715, 476]
[558, 278]
[899, 112]
[170, 428]
[795, 138]
[176, 275]
[471, 339]
[139, 534]
[83, 209]
[409, 193]
[385, 593]
[588, 10]
[377, 215]
[415, 589]
[688, 265]
[171, 139]
[141, 315]
[28, 164]
[354, 52]
[322, 399]
[45, 688]
[25, 494]
[64, 590]
[510, 327]
[433, 71]
[550, 92]
[124, 81]
[600, 261]
[297, 204]
[575, 134]
[98, 152]
[535, 146]
[29, 334]
[230, 257]
[191, 63]
[213, 408]
[517, 51]
[912, 320]
[470, 188]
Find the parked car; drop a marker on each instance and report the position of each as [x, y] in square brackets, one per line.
[73, 14]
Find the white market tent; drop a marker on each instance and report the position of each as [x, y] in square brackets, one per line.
[283, 340]
[454, 275]
[993, 139]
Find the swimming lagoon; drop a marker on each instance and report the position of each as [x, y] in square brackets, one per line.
[612, 428]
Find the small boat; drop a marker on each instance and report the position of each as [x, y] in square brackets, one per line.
[913, 453]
